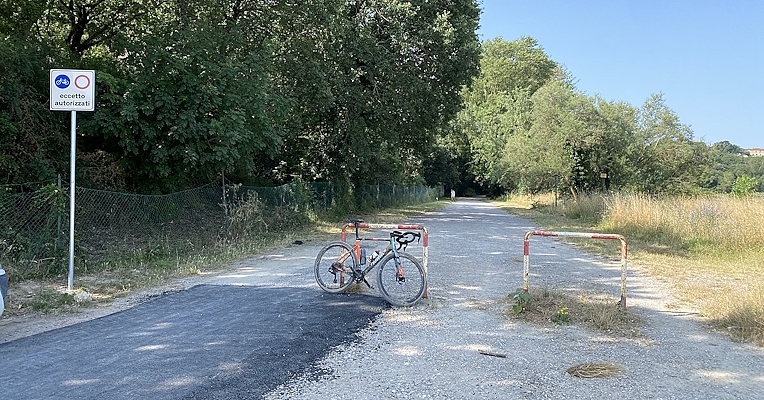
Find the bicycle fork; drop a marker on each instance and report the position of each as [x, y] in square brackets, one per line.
[400, 277]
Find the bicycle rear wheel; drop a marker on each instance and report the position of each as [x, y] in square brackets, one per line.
[401, 288]
[335, 267]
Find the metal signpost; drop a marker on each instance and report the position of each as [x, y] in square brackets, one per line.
[72, 90]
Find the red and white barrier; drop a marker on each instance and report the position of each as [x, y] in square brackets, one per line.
[624, 252]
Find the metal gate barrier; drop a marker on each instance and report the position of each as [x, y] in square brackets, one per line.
[526, 251]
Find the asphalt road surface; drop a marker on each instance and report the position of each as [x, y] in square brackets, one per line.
[211, 341]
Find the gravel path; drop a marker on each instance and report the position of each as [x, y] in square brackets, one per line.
[432, 351]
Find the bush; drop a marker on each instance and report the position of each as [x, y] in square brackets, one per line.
[744, 186]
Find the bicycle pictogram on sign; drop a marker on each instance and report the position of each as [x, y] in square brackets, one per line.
[62, 81]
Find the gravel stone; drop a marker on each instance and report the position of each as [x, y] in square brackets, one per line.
[432, 350]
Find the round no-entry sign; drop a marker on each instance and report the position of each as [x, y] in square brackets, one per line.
[72, 90]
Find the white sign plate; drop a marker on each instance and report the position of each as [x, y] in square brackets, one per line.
[72, 90]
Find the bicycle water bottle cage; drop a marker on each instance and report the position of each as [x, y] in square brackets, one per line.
[404, 238]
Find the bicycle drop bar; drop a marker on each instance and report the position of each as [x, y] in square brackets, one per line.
[404, 238]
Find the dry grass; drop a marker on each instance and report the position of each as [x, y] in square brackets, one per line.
[710, 249]
[699, 224]
[595, 370]
[591, 310]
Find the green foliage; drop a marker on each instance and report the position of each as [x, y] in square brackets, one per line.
[49, 300]
[331, 90]
[525, 130]
[497, 105]
[33, 142]
[391, 82]
[522, 300]
[192, 110]
[744, 186]
[728, 162]
[346, 91]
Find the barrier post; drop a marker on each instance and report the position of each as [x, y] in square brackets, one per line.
[624, 254]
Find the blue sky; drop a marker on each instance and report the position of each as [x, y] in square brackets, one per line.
[706, 57]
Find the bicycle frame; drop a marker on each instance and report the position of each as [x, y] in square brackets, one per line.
[364, 225]
[361, 257]
[401, 276]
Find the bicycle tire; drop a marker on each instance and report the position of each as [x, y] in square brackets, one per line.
[335, 267]
[401, 293]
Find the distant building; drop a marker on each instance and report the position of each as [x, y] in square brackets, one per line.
[756, 152]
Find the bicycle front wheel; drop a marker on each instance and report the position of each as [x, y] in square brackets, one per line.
[335, 267]
[401, 285]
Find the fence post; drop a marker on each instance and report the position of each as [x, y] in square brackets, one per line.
[225, 207]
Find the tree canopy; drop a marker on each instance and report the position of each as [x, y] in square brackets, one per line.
[528, 128]
[352, 91]
[266, 91]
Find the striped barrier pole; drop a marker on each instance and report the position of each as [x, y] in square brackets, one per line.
[624, 254]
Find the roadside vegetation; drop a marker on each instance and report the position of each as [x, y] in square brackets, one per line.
[142, 269]
[593, 310]
[710, 249]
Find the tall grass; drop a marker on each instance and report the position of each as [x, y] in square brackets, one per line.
[711, 249]
[720, 224]
[722, 238]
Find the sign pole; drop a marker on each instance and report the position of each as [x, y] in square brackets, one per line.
[72, 90]
[70, 281]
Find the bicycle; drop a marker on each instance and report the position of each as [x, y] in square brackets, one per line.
[401, 282]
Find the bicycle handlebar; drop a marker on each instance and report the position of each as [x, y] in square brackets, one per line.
[404, 238]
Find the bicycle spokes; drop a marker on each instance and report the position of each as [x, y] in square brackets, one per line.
[334, 267]
[401, 279]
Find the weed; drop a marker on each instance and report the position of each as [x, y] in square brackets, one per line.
[592, 310]
[562, 317]
[48, 300]
[522, 300]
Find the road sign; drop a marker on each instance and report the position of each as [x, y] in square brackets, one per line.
[72, 90]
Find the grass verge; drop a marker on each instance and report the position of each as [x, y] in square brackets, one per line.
[591, 310]
[142, 269]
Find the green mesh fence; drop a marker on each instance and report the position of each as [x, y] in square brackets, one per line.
[34, 219]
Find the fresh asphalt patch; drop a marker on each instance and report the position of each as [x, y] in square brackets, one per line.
[210, 341]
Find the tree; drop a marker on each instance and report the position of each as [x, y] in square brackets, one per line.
[498, 105]
[33, 140]
[343, 90]
[184, 107]
[661, 155]
[744, 186]
[393, 71]
[572, 137]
